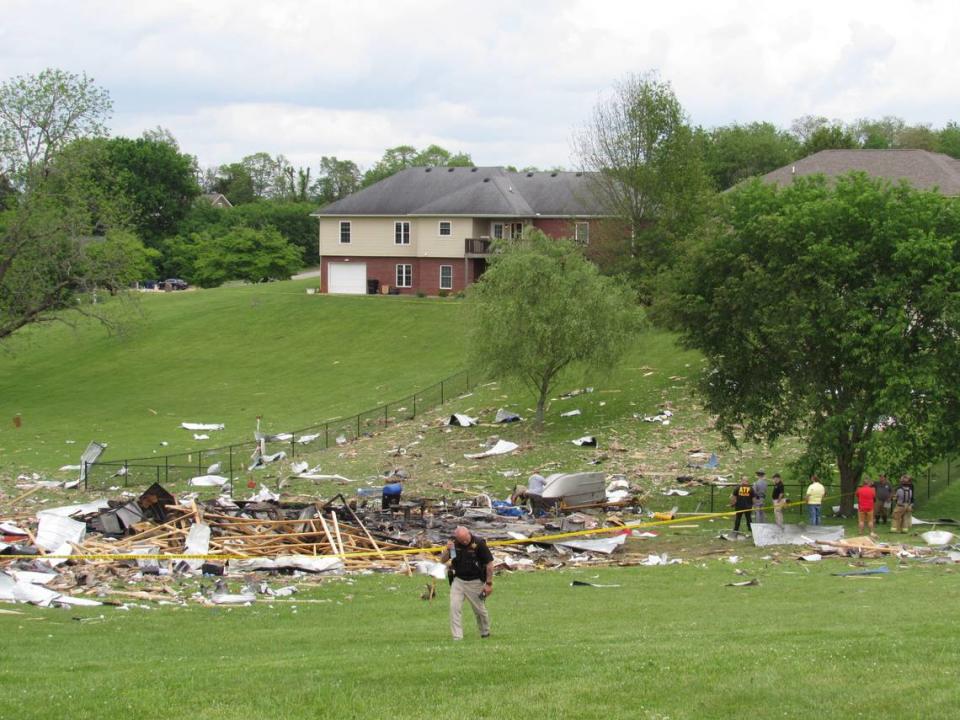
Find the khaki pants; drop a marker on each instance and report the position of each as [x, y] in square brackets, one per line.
[778, 511]
[902, 518]
[468, 590]
[865, 518]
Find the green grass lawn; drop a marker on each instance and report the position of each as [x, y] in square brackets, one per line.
[224, 355]
[670, 642]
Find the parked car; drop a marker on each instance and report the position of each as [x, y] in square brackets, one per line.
[175, 284]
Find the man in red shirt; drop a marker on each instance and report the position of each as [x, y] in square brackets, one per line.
[866, 497]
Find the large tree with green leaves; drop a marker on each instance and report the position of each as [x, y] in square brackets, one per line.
[831, 311]
[648, 170]
[56, 248]
[733, 153]
[541, 308]
[244, 253]
[402, 157]
[41, 114]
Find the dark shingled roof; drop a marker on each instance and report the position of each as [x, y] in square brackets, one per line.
[473, 191]
[922, 169]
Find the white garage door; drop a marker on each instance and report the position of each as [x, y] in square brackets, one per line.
[347, 278]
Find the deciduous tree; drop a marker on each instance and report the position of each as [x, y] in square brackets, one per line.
[542, 307]
[647, 169]
[40, 114]
[830, 310]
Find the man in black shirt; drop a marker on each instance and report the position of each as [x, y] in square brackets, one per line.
[472, 566]
[742, 501]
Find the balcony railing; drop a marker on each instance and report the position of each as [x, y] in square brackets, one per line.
[477, 246]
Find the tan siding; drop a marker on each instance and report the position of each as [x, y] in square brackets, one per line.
[369, 237]
[374, 237]
[429, 242]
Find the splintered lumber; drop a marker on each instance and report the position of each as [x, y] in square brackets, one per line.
[365, 531]
[336, 527]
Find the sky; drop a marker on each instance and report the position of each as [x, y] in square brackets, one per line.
[507, 82]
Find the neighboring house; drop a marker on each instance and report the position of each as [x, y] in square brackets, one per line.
[218, 200]
[924, 170]
[429, 229]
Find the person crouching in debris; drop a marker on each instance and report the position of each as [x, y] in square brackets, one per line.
[742, 500]
[471, 565]
[779, 499]
[391, 494]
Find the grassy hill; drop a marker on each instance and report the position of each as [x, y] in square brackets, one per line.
[222, 356]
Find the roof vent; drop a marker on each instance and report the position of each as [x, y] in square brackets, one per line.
[553, 174]
[486, 179]
[427, 169]
[449, 169]
[529, 174]
[473, 169]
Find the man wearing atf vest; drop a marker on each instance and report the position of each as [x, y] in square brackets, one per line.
[471, 564]
[742, 500]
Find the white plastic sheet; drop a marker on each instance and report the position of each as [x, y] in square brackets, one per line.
[502, 447]
[209, 481]
[201, 426]
[433, 569]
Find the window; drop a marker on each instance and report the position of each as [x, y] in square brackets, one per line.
[405, 276]
[401, 232]
[344, 232]
[516, 230]
[446, 277]
[496, 230]
[445, 229]
[581, 232]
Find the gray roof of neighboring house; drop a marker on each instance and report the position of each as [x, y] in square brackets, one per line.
[473, 191]
[921, 168]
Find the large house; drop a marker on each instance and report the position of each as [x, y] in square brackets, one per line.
[430, 229]
[924, 170]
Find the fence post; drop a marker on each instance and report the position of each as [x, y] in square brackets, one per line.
[86, 474]
[326, 435]
[358, 427]
[441, 392]
[293, 445]
[414, 406]
[199, 462]
[713, 489]
[230, 467]
[386, 415]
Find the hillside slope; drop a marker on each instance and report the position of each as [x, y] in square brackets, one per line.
[224, 356]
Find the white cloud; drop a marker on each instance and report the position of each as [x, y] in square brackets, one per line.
[507, 82]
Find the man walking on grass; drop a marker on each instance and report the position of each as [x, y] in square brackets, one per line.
[471, 563]
[866, 499]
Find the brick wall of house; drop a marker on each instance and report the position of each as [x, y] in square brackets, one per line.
[555, 227]
[426, 272]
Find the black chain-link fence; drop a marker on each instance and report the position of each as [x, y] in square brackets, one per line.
[229, 460]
